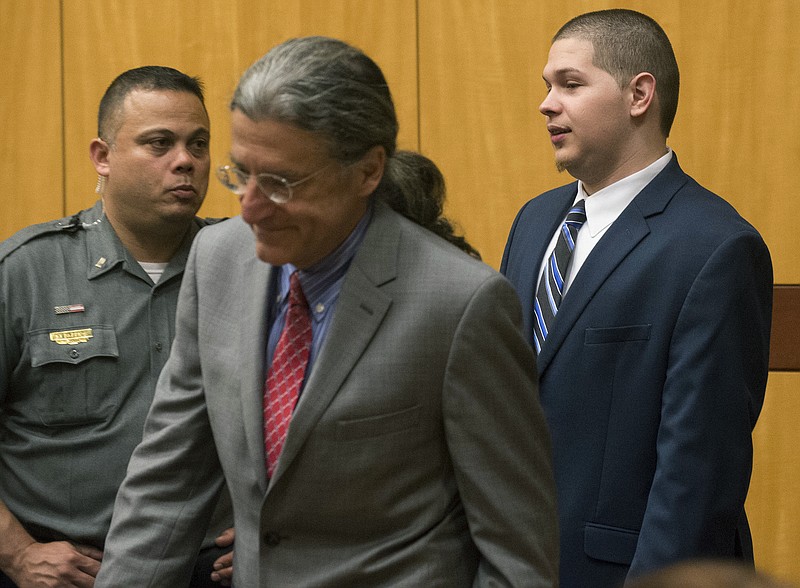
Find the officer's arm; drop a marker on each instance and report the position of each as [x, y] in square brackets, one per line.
[29, 563]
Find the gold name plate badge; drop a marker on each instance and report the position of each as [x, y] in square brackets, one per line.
[72, 337]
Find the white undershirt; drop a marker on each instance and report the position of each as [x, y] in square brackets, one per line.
[153, 269]
[602, 209]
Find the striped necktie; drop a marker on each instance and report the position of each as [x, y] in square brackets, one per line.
[551, 284]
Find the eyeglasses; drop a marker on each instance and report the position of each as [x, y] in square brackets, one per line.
[274, 187]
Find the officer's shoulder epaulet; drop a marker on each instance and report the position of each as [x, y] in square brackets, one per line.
[68, 224]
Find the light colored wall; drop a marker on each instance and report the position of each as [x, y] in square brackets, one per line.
[466, 77]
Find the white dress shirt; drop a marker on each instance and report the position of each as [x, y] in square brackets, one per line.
[602, 209]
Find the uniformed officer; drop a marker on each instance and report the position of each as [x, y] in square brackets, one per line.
[87, 307]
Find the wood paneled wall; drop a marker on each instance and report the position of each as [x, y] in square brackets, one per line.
[466, 77]
[31, 115]
[480, 88]
[216, 40]
[772, 504]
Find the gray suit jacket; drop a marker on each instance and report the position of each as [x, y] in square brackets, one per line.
[417, 455]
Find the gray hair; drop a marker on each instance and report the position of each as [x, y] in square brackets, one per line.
[324, 86]
[335, 91]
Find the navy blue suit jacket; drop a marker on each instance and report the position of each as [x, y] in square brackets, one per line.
[652, 377]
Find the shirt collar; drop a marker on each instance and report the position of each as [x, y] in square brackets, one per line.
[320, 281]
[105, 250]
[604, 206]
[103, 246]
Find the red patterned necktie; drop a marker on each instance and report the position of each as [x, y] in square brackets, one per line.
[286, 373]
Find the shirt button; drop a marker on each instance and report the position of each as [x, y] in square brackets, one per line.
[272, 539]
[74, 354]
[159, 346]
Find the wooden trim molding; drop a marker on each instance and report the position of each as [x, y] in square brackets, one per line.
[784, 353]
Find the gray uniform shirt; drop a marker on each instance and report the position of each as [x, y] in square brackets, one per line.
[84, 335]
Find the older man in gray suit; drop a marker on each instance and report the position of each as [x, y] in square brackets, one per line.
[362, 384]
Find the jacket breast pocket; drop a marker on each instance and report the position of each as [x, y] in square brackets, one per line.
[599, 336]
[612, 544]
[375, 426]
[74, 370]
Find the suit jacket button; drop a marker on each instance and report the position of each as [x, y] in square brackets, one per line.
[272, 539]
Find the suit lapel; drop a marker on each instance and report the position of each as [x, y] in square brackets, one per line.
[360, 310]
[622, 237]
[252, 351]
[526, 246]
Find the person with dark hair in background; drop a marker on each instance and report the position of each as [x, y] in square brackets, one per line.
[87, 309]
[417, 191]
[648, 301]
[362, 384]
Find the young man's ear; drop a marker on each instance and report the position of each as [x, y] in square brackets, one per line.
[643, 93]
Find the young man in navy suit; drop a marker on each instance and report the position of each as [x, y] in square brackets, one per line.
[653, 337]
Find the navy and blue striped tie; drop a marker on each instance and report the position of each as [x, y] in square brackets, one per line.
[551, 284]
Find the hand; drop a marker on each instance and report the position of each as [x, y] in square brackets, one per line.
[223, 567]
[50, 565]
